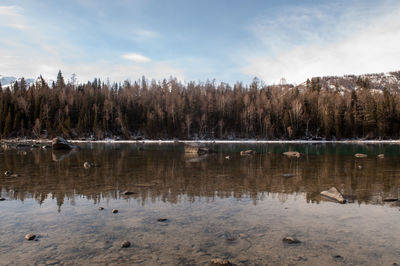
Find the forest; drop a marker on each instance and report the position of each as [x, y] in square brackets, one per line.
[170, 109]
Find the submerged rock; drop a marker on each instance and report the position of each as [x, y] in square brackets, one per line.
[333, 194]
[125, 244]
[114, 211]
[220, 262]
[88, 165]
[292, 154]
[247, 152]
[291, 240]
[360, 155]
[196, 148]
[60, 143]
[381, 155]
[30, 237]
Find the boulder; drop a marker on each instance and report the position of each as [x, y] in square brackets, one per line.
[196, 149]
[247, 152]
[333, 194]
[360, 155]
[30, 237]
[291, 240]
[88, 165]
[220, 262]
[125, 244]
[127, 193]
[60, 143]
[292, 154]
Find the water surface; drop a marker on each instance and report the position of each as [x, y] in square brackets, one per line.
[238, 209]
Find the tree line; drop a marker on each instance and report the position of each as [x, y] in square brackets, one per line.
[169, 109]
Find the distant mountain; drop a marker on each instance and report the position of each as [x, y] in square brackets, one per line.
[375, 82]
[9, 81]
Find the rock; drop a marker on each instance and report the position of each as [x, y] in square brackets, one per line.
[196, 148]
[228, 157]
[292, 154]
[390, 199]
[8, 173]
[88, 165]
[2, 199]
[381, 155]
[162, 219]
[60, 143]
[23, 146]
[30, 237]
[337, 257]
[101, 208]
[220, 262]
[127, 193]
[45, 147]
[333, 194]
[289, 175]
[114, 211]
[291, 240]
[360, 155]
[247, 152]
[125, 244]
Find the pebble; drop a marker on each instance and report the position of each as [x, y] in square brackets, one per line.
[125, 244]
[291, 240]
[114, 211]
[30, 237]
[220, 262]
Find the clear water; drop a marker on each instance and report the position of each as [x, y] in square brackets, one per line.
[238, 209]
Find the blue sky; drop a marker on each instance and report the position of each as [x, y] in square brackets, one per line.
[198, 40]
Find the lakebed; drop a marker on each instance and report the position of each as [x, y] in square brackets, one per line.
[187, 209]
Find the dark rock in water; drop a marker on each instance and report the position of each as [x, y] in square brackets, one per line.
[88, 165]
[389, 199]
[247, 152]
[60, 143]
[101, 208]
[127, 193]
[291, 240]
[220, 262]
[292, 154]
[2, 199]
[333, 194]
[125, 244]
[381, 155]
[228, 157]
[30, 237]
[360, 155]
[162, 219]
[114, 211]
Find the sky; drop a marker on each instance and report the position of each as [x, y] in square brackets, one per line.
[225, 40]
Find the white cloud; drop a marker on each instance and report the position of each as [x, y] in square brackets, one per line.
[12, 18]
[355, 46]
[143, 35]
[135, 57]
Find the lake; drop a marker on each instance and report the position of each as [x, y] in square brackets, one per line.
[186, 209]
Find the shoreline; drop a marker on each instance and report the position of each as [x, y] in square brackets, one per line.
[112, 141]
